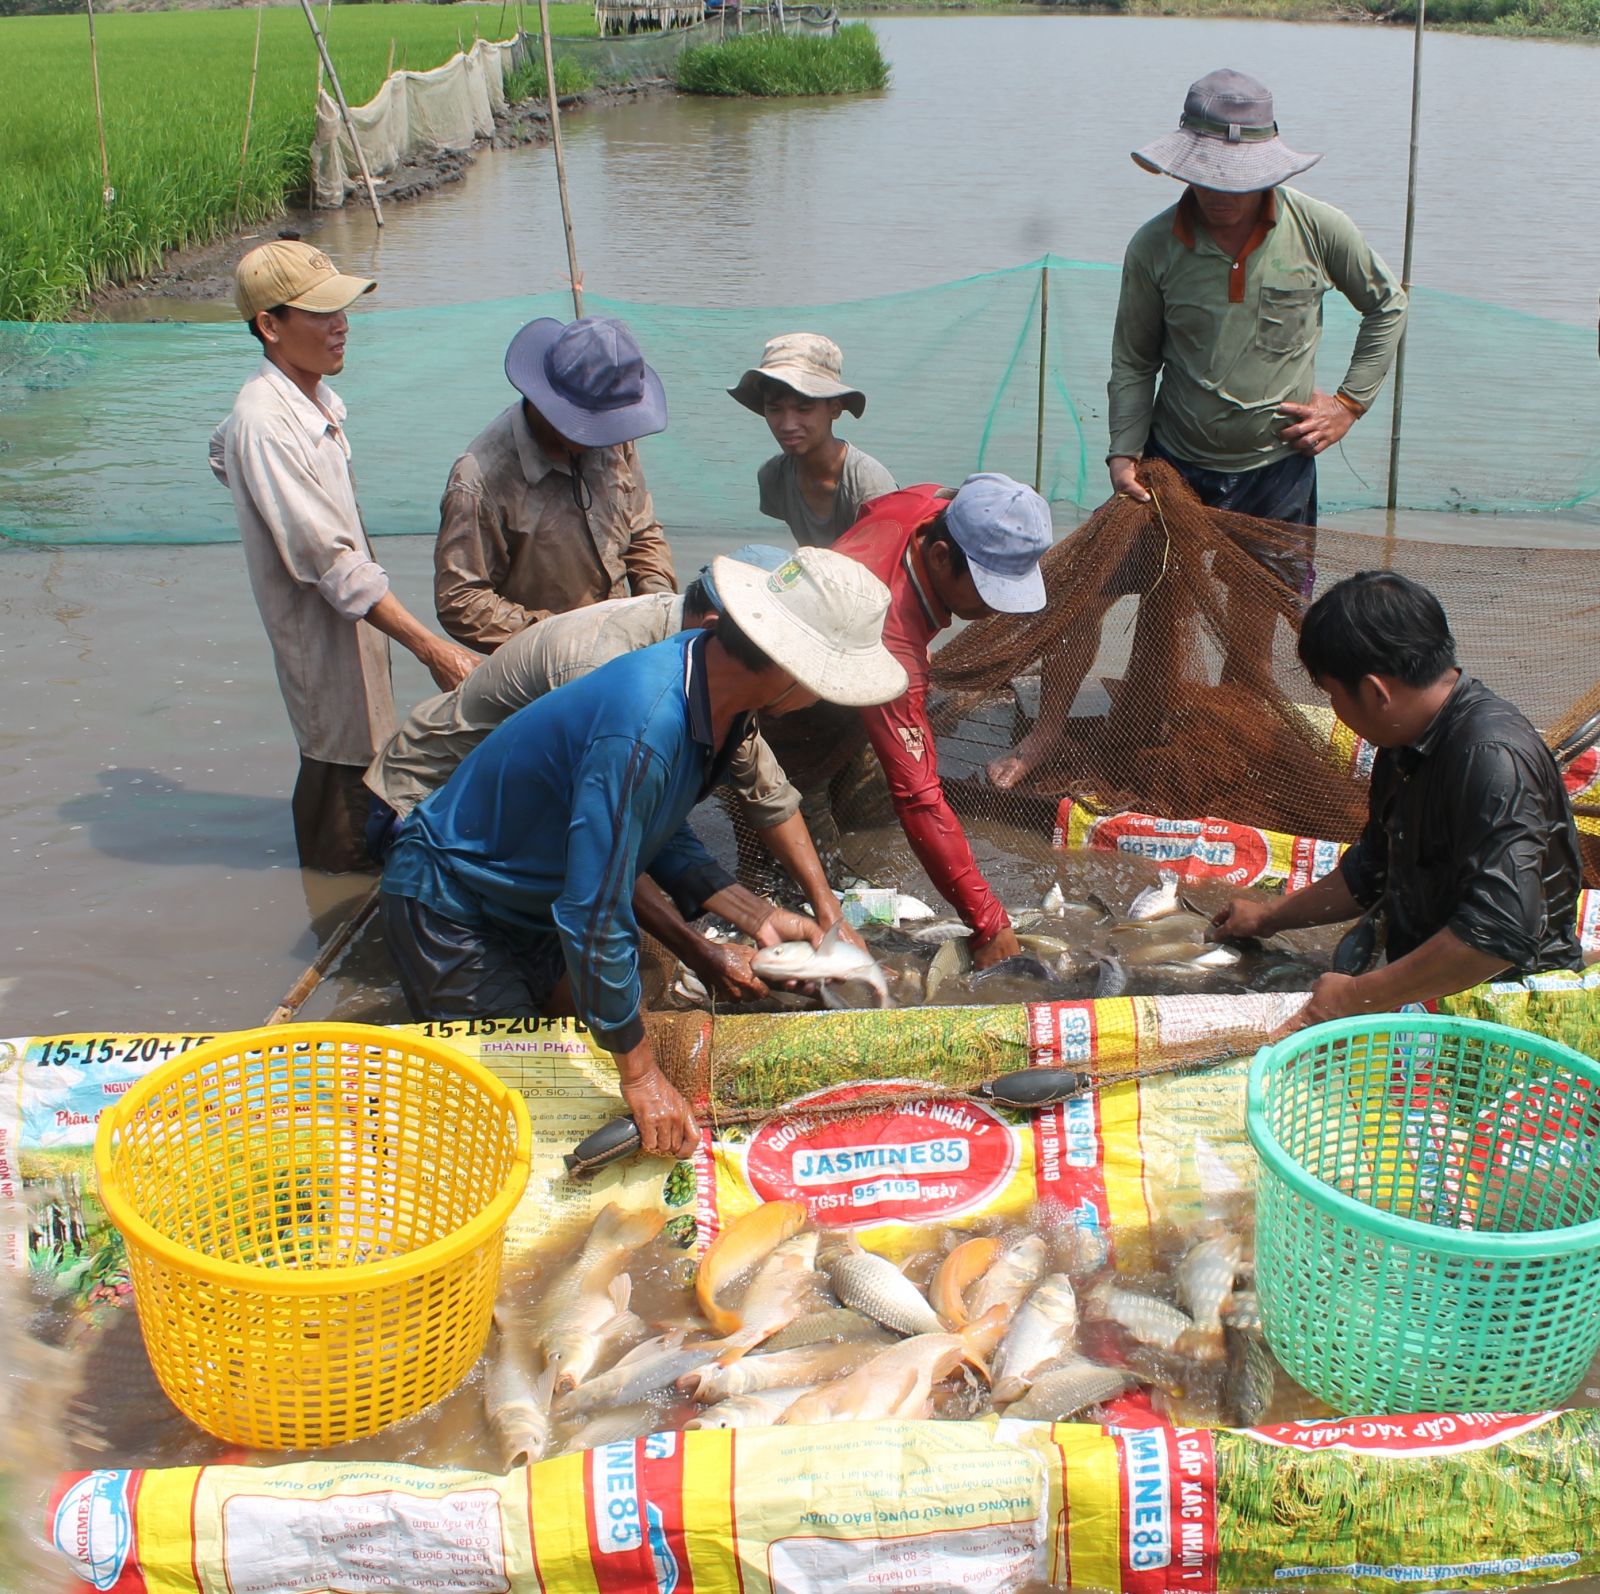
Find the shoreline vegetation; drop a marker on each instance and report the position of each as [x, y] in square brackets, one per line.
[775, 64]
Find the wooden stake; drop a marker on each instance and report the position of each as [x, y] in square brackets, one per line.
[561, 159]
[107, 193]
[249, 113]
[1405, 266]
[344, 109]
[295, 997]
[1044, 355]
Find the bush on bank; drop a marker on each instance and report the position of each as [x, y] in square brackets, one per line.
[848, 62]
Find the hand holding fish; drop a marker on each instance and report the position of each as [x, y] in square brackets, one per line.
[666, 1126]
[1242, 919]
[996, 949]
[727, 973]
[782, 925]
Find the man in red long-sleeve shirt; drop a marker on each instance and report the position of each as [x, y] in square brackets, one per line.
[969, 553]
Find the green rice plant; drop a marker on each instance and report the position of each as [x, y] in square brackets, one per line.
[848, 62]
[174, 86]
[528, 83]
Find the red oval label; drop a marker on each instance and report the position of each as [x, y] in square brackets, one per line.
[1194, 849]
[912, 1162]
[1581, 774]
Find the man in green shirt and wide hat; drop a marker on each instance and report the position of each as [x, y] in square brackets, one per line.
[1213, 359]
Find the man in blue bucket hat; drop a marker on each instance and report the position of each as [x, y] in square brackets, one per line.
[440, 731]
[547, 510]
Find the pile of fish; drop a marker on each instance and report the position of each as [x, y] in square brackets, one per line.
[1163, 943]
[782, 1323]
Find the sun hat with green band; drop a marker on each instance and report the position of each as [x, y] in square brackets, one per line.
[1226, 140]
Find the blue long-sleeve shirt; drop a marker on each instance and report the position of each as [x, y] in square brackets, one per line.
[548, 823]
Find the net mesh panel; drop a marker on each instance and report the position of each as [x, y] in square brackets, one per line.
[952, 372]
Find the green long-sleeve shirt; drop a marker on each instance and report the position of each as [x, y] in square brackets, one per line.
[1231, 341]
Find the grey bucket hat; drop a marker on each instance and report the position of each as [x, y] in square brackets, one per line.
[1227, 139]
[588, 379]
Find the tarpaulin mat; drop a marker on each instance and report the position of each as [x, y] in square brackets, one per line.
[1320, 1503]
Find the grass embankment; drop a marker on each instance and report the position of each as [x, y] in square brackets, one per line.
[849, 62]
[174, 86]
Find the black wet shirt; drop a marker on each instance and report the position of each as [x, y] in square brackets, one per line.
[1469, 830]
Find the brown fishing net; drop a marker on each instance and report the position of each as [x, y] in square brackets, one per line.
[1166, 655]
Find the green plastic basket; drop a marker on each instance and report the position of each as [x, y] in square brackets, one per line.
[1428, 1214]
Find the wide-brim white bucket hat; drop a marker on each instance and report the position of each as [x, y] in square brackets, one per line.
[1227, 139]
[820, 617]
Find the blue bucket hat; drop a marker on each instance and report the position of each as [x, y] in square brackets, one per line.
[763, 556]
[1004, 530]
[588, 379]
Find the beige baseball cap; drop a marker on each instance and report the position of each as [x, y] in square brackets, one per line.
[289, 272]
[820, 617]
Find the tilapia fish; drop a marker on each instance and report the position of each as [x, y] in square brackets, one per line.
[876, 1287]
[1146, 1318]
[1205, 1285]
[810, 1364]
[740, 1246]
[516, 1403]
[1044, 1328]
[1014, 1273]
[1064, 1389]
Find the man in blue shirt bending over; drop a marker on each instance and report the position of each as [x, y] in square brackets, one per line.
[509, 892]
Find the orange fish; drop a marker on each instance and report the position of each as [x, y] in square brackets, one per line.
[967, 1262]
[739, 1247]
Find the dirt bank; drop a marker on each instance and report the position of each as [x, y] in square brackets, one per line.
[204, 274]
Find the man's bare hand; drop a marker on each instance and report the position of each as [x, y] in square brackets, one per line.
[1317, 425]
[1242, 919]
[450, 664]
[725, 968]
[996, 949]
[1125, 478]
[847, 931]
[1332, 996]
[782, 925]
[666, 1126]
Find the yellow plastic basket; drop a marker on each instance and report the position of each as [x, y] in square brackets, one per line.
[314, 1217]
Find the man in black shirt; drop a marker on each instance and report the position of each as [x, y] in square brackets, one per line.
[1469, 855]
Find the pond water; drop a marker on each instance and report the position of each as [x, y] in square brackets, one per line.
[146, 761]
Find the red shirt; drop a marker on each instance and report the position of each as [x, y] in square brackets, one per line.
[884, 540]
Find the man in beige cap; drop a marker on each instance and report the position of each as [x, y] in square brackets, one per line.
[509, 891]
[324, 599]
[818, 484]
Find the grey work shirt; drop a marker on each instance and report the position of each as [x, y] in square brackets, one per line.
[861, 477]
[1232, 340]
[515, 547]
[442, 730]
[286, 461]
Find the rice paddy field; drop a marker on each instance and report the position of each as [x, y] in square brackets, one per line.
[175, 86]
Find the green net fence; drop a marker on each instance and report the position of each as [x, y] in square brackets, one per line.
[103, 429]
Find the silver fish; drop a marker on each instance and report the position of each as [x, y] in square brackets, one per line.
[1044, 1329]
[937, 931]
[875, 1286]
[897, 1382]
[616, 1233]
[1155, 902]
[1205, 1286]
[951, 964]
[1055, 899]
[578, 1346]
[650, 1368]
[1174, 929]
[611, 1427]
[810, 1365]
[1147, 1319]
[832, 1323]
[1216, 957]
[1063, 1390]
[780, 1292]
[910, 910]
[833, 959]
[761, 1409]
[1015, 1272]
[516, 1404]
[689, 987]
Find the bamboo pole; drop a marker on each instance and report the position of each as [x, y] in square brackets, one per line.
[344, 110]
[561, 159]
[295, 997]
[249, 113]
[327, 24]
[1405, 266]
[1044, 352]
[107, 192]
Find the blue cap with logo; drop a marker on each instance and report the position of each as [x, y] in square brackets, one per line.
[760, 554]
[1003, 527]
